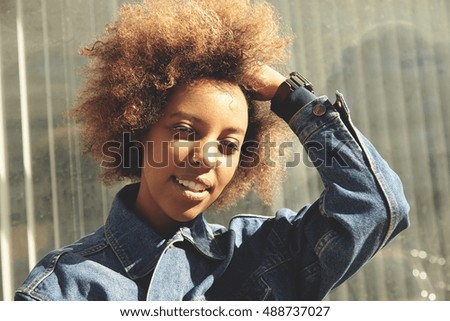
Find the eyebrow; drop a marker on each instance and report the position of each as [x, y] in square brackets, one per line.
[199, 120]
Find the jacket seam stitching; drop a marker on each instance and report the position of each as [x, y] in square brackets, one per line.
[324, 124]
[94, 249]
[391, 204]
[31, 288]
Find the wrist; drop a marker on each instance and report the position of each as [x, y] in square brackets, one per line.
[281, 103]
[295, 80]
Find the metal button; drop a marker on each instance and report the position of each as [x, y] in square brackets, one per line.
[319, 110]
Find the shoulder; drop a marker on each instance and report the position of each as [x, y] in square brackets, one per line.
[59, 275]
[41, 277]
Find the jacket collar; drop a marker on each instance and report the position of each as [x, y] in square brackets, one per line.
[138, 247]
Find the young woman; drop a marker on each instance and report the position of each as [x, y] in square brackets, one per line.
[173, 101]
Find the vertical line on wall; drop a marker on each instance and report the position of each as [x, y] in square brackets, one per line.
[7, 273]
[26, 140]
[73, 139]
[51, 137]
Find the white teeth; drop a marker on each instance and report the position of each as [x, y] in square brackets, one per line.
[191, 185]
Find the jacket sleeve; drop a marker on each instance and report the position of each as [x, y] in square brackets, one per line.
[362, 206]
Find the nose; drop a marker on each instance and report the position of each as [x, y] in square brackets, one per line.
[205, 154]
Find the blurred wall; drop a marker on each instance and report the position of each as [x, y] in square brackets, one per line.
[390, 58]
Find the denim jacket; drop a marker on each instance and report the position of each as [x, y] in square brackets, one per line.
[294, 255]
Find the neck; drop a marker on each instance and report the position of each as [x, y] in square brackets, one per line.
[160, 222]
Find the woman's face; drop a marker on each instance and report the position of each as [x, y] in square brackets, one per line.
[192, 152]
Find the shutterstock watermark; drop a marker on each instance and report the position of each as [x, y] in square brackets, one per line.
[128, 153]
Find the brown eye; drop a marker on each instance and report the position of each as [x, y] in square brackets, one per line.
[183, 133]
[228, 147]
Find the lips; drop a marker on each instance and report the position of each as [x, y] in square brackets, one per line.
[192, 185]
[194, 189]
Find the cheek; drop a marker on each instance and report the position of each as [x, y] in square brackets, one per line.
[227, 163]
[157, 154]
[226, 173]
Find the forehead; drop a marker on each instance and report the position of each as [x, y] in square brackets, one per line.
[210, 100]
[201, 88]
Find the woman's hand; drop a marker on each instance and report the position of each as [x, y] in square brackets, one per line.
[266, 83]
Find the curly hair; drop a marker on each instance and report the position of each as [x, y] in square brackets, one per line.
[157, 45]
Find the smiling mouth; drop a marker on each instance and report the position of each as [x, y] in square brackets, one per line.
[193, 187]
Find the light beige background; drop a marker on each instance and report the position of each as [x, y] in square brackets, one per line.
[390, 58]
